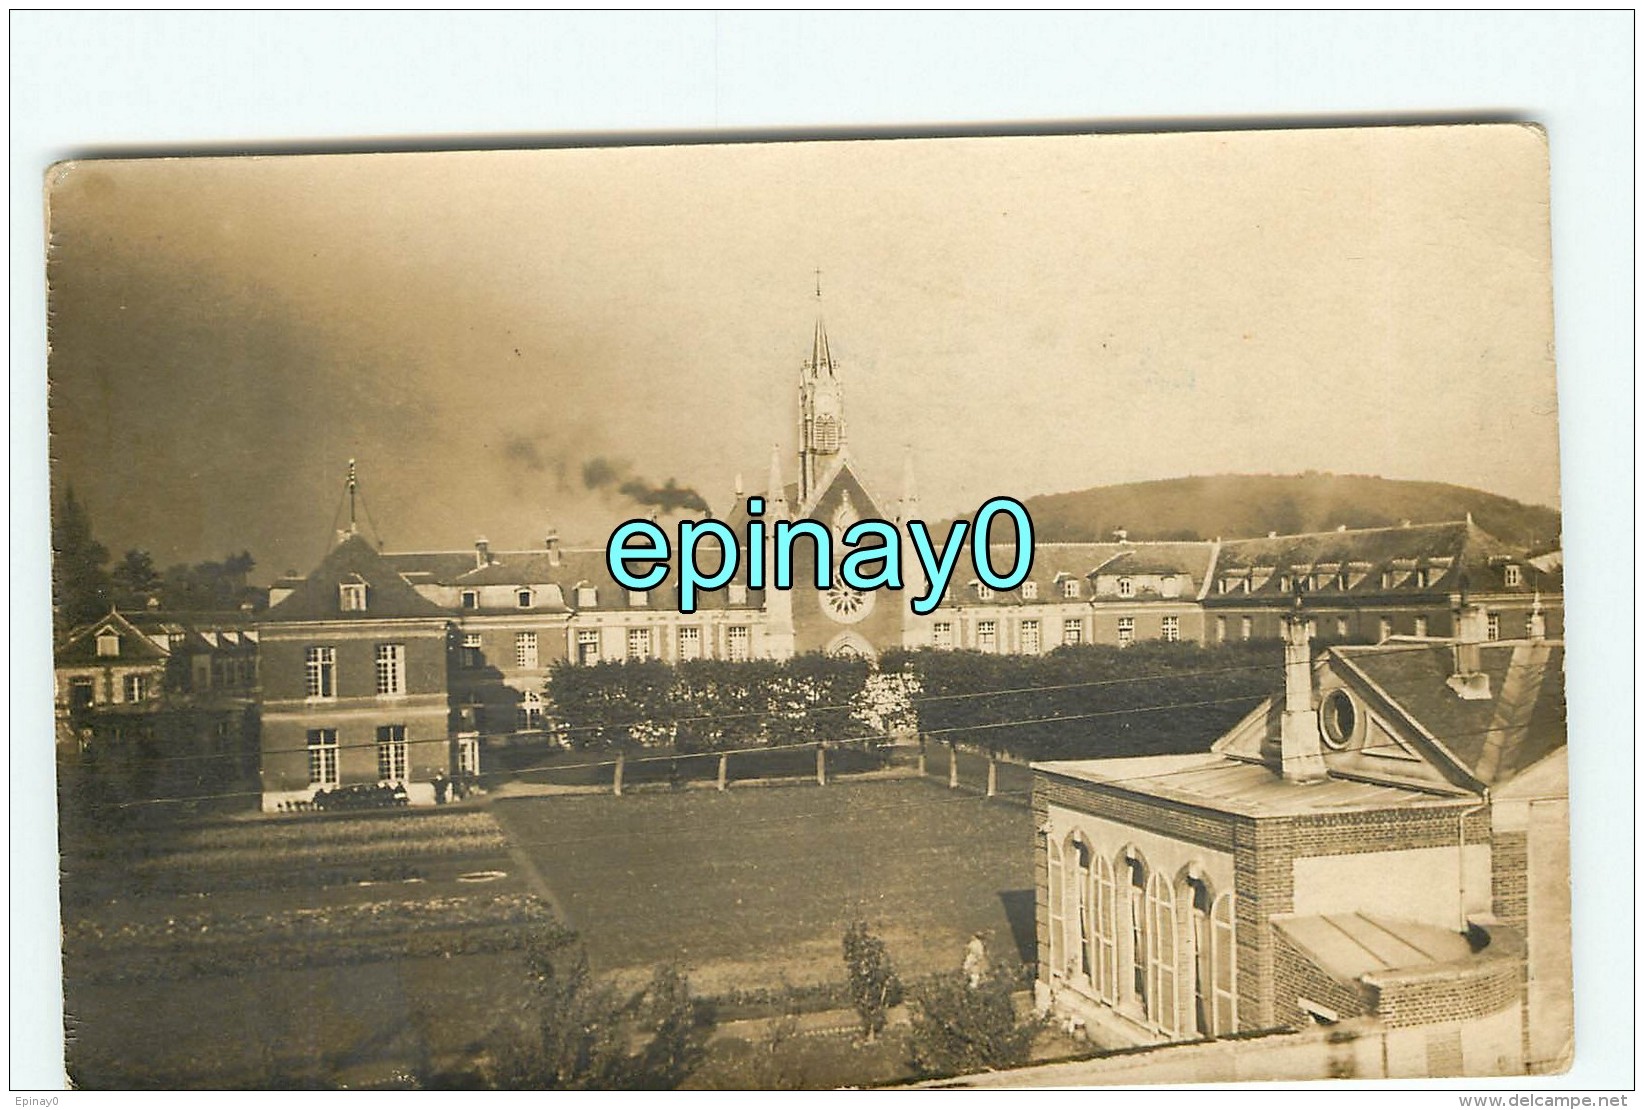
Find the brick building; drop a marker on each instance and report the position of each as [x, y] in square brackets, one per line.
[159, 704]
[1384, 847]
[355, 686]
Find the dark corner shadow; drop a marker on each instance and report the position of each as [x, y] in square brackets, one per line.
[1019, 912]
[406, 144]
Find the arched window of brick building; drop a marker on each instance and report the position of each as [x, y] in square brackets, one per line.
[1162, 947]
[1105, 943]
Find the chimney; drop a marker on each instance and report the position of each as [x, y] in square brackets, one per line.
[482, 552]
[551, 542]
[1301, 757]
[1466, 679]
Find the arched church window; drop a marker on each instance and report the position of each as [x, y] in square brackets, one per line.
[827, 433]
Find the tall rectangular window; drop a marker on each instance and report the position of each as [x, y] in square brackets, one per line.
[1385, 628]
[1512, 575]
[322, 757]
[987, 635]
[588, 645]
[941, 634]
[136, 686]
[473, 655]
[1421, 626]
[1030, 637]
[1246, 627]
[1073, 630]
[1127, 631]
[1341, 628]
[470, 599]
[1221, 630]
[390, 668]
[736, 640]
[525, 650]
[322, 672]
[1492, 629]
[639, 643]
[392, 753]
[690, 643]
[1070, 587]
[1170, 629]
[351, 597]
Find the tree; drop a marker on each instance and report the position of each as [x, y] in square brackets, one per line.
[958, 1028]
[135, 579]
[874, 985]
[80, 586]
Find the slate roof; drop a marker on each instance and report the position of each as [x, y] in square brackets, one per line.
[1214, 781]
[388, 596]
[80, 648]
[1494, 738]
[1455, 553]
[1055, 561]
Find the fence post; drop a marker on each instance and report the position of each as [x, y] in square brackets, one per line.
[993, 774]
[616, 776]
[722, 760]
[953, 765]
[921, 757]
[821, 765]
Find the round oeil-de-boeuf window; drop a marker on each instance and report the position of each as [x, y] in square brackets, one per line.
[1341, 718]
[845, 605]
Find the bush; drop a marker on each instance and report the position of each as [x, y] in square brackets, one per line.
[874, 985]
[958, 1028]
[578, 1033]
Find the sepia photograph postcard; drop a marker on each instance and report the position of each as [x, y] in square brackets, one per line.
[1024, 611]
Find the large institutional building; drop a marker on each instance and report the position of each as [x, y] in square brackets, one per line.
[1382, 850]
[394, 665]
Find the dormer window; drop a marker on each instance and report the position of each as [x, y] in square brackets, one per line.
[108, 644]
[351, 597]
[523, 598]
[1286, 584]
[1030, 591]
[737, 594]
[1070, 587]
[1127, 588]
[638, 598]
[587, 596]
[983, 593]
[1170, 586]
[470, 599]
[1386, 579]
[1342, 581]
[1513, 574]
[1419, 579]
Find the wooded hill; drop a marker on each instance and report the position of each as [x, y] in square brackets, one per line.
[1242, 505]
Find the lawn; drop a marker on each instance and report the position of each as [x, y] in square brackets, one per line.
[749, 887]
[307, 951]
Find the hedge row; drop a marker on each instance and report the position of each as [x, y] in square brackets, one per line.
[1079, 701]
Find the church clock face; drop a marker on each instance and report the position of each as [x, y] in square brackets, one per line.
[844, 605]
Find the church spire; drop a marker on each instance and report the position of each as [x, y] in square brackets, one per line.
[821, 408]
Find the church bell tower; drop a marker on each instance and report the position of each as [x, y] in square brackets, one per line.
[821, 410]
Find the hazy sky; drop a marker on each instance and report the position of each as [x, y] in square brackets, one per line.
[1022, 315]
